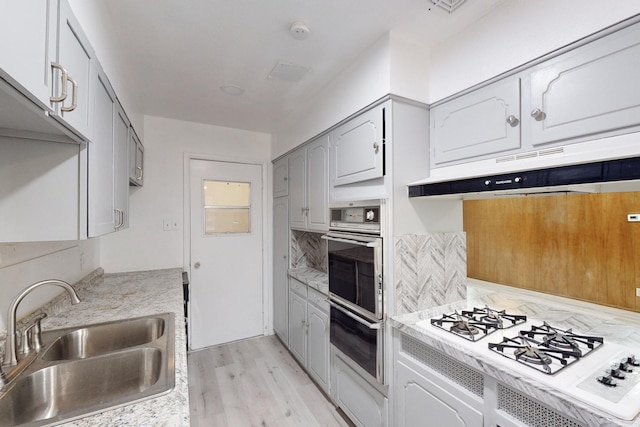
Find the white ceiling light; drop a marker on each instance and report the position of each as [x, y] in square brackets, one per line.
[299, 30]
[233, 90]
[288, 72]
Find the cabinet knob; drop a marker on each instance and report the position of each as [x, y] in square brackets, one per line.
[538, 114]
[513, 121]
[376, 146]
[196, 265]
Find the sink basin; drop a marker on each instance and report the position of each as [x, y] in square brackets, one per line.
[99, 339]
[89, 369]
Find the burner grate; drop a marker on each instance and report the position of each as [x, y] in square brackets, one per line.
[546, 348]
[476, 324]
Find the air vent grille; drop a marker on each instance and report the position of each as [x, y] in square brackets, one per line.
[448, 5]
[444, 365]
[529, 411]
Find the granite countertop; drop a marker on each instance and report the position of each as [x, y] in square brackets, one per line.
[126, 295]
[313, 278]
[615, 325]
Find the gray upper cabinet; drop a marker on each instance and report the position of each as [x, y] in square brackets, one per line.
[281, 177]
[587, 91]
[121, 168]
[136, 159]
[357, 148]
[74, 77]
[308, 186]
[101, 178]
[27, 39]
[481, 123]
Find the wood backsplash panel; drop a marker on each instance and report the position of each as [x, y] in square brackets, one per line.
[579, 246]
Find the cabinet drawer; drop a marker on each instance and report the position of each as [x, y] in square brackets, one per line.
[298, 287]
[318, 299]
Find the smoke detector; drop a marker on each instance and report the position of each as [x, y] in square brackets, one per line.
[299, 30]
[448, 5]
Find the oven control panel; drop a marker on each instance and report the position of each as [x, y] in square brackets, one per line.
[356, 218]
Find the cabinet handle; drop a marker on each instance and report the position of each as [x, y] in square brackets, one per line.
[63, 80]
[139, 174]
[538, 114]
[513, 121]
[376, 146]
[74, 96]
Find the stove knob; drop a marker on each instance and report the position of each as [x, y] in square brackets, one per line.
[608, 381]
[487, 182]
[615, 373]
[623, 366]
[631, 360]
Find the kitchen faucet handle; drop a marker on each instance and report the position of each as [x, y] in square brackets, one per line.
[36, 337]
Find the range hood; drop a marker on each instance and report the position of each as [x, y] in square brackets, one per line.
[607, 165]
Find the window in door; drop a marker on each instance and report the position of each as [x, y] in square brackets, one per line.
[227, 207]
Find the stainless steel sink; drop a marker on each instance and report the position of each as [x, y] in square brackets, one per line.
[104, 338]
[89, 369]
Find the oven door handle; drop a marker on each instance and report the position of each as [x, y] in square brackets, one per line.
[353, 316]
[353, 242]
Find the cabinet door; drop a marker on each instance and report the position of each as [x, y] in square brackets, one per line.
[297, 188]
[121, 168]
[136, 159]
[78, 59]
[100, 163]
[26, 36]
[482, 123]
[420, 399]
[357, 148]
[587, 91]
[280, 266]
[297, 326]
[281, 177]
[317, 185]
[318, 338]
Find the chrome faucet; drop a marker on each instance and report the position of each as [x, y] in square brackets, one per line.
[10, 350]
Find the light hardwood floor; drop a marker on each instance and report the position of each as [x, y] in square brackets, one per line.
[254, 382]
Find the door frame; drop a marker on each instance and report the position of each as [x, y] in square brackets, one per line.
[267, 292]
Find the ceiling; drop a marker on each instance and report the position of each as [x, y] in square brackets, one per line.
[182, 52]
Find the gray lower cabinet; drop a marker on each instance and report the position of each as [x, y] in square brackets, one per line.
[318, 338]
[298, 320]
[420, 399]
[280, 266]
[309, 331]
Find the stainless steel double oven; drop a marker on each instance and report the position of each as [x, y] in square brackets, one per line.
[354, 245]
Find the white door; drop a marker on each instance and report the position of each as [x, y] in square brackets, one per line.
[226, 252]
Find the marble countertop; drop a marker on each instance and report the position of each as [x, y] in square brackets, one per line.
[313, 278]
[126, 295]
[615, 325]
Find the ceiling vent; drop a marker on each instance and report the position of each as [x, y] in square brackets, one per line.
[448, 5]
[288, 72]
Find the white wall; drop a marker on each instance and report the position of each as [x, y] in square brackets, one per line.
[515, 33]
[144, 245]
[101, 34]
[361, 83]
[22, 264]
